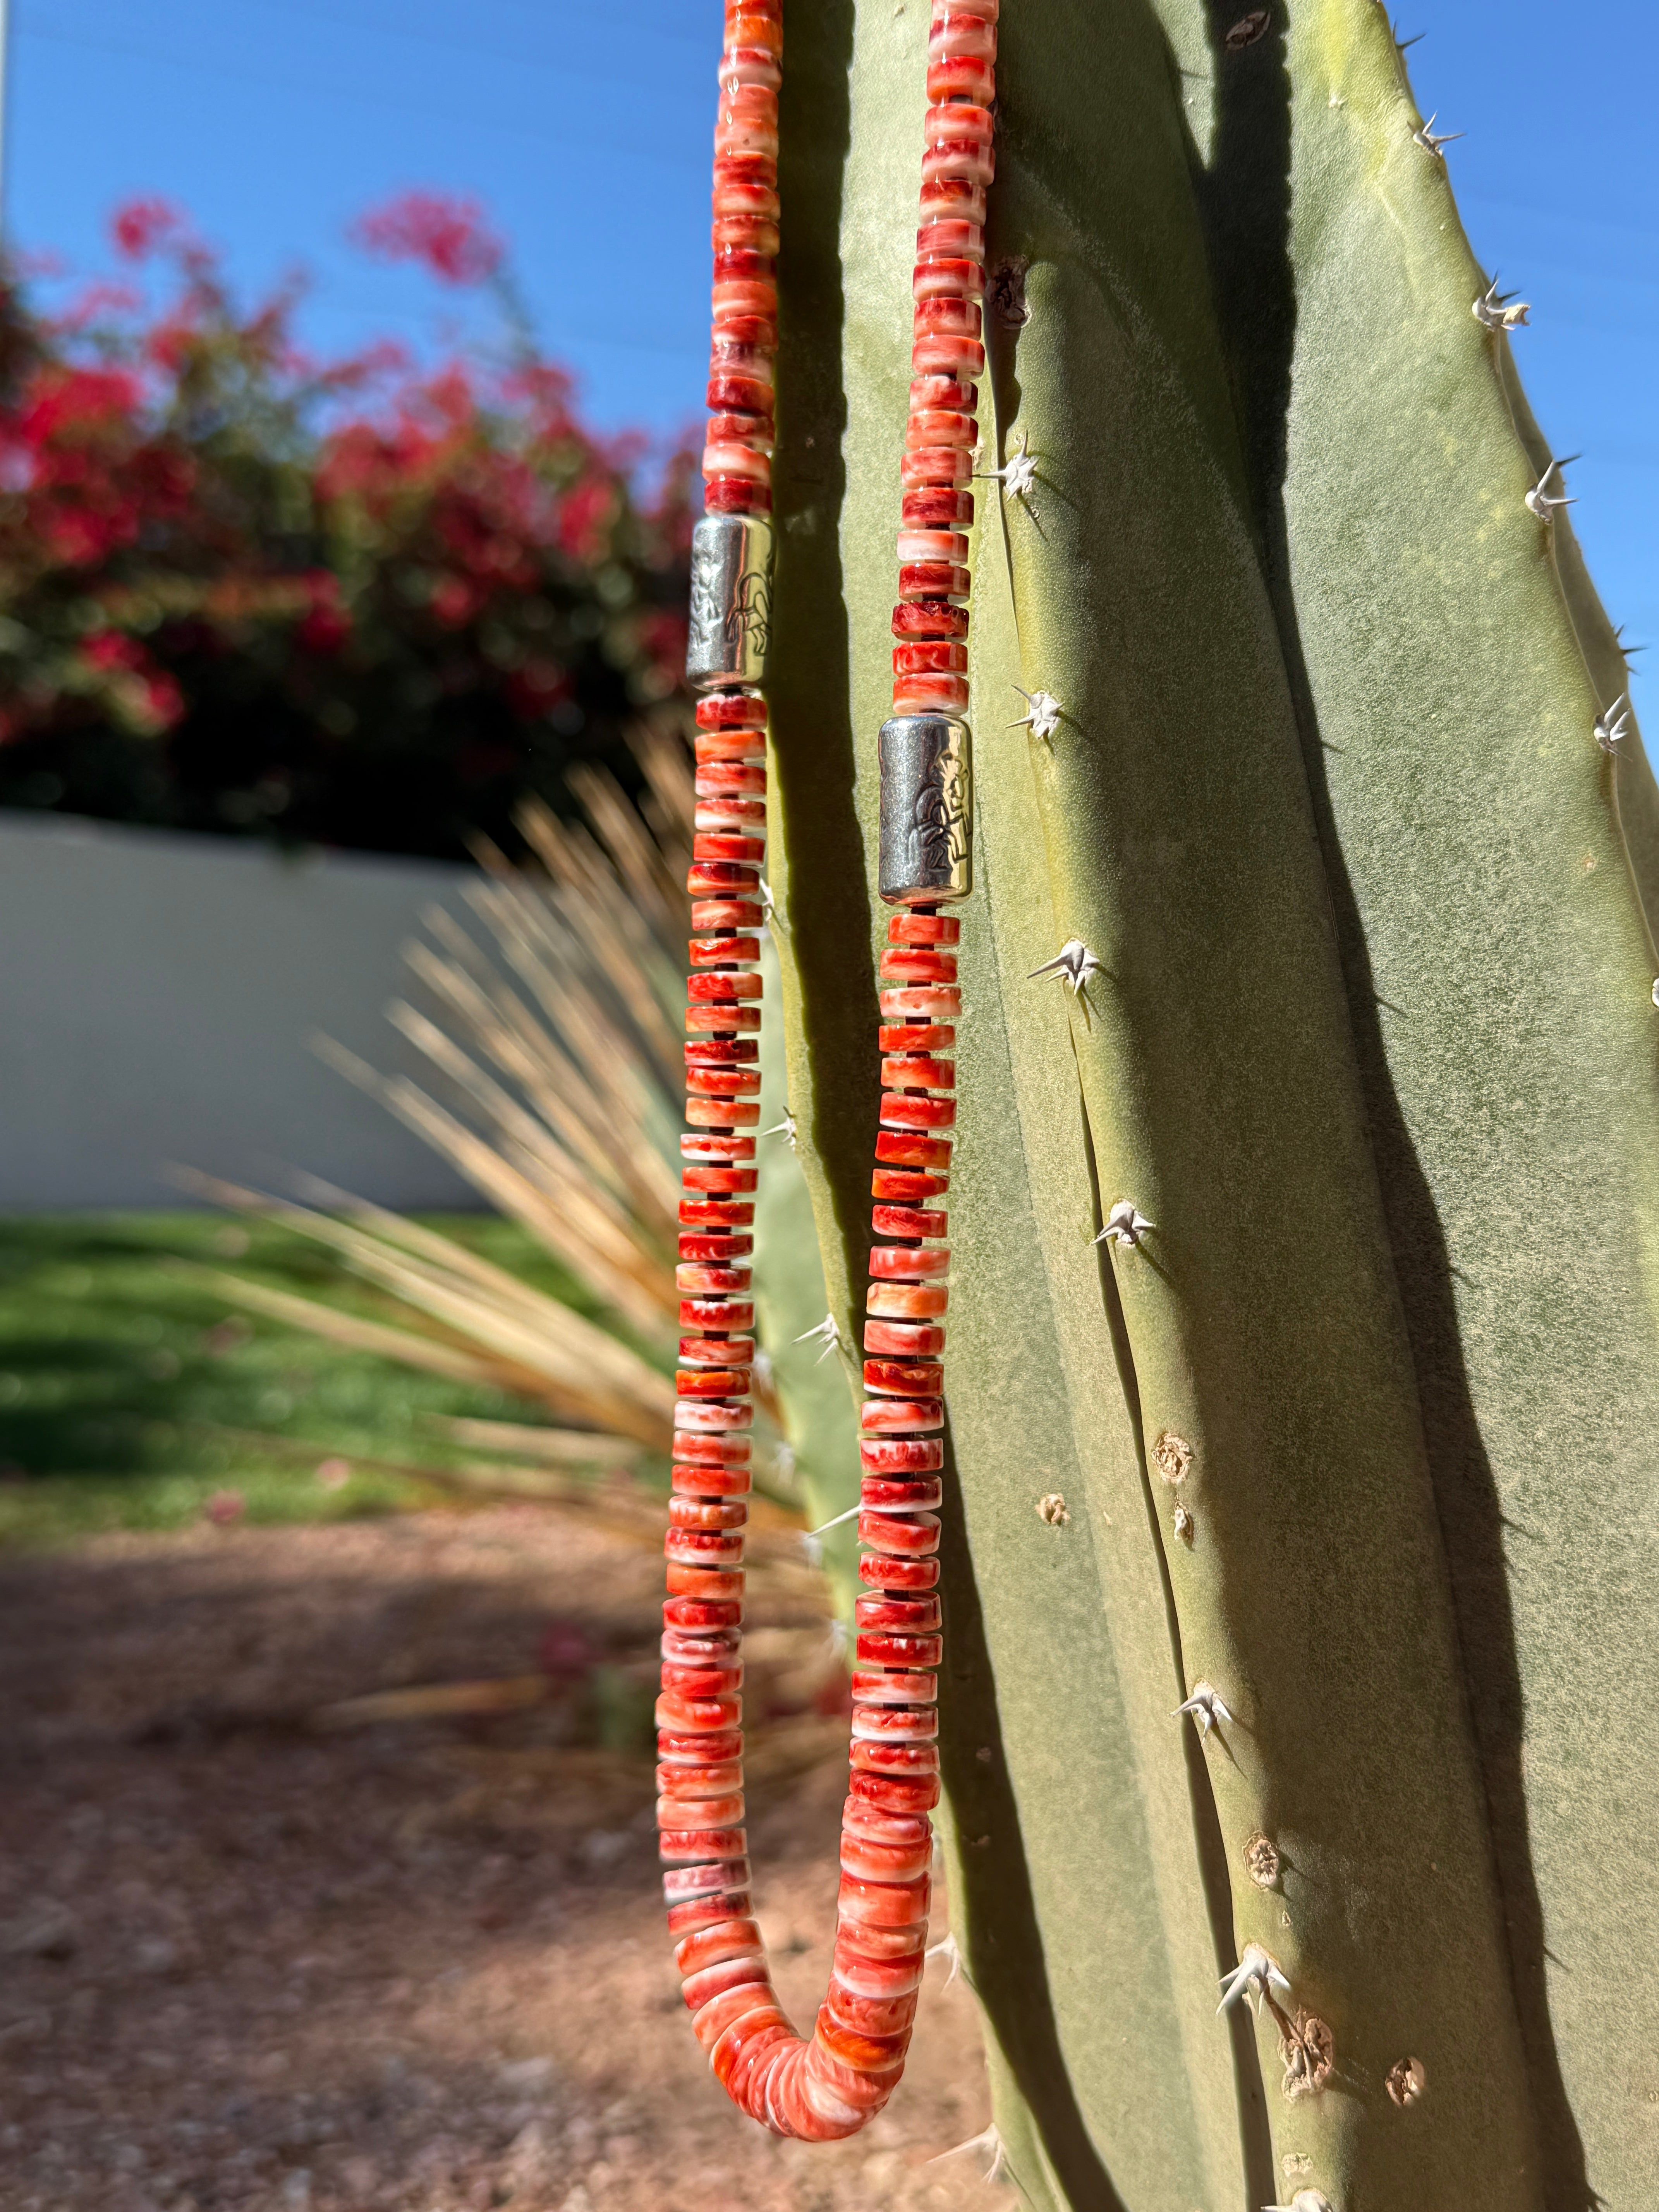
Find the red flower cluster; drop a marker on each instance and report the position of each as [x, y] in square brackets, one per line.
[298, 572]
[445, 235]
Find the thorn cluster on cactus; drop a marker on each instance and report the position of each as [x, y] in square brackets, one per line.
[1043, 718]
[1206, 1707]
[1074, 962]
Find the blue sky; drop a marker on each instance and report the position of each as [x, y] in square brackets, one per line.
[585, 129]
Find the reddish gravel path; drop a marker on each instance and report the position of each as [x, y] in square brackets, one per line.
[416, 1966]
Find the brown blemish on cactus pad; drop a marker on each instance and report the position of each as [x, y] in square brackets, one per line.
[1052, 1508]
[1308, 2053]
[1262, 1860]
[1172, 1455]
[1006, 295]
[1407, 2081]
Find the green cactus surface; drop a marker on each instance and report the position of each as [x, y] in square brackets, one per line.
[1361, 1433]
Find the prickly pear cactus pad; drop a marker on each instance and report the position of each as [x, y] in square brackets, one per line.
[1303, 1558]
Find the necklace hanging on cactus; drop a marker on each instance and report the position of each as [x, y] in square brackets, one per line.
[830, 2084]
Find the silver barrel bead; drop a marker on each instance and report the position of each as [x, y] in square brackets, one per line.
[927, 810]
[730, 600]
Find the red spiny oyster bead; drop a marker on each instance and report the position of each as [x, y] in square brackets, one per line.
[869, 1976]
[712, 1382]
[860, 1816]
[692, 1903]
[878, 1721]
[906, 1300]
[721, 879]
[930, 695]
[716, 985]
[880, 1905]
[931, 461]
[703, 1145]
[711, 1481]
[896, 1792]
[946, 316]
[901, 1416]
[907, 1110]
[901, 1456]
[703, 1905]
[690, 1778]
[883, 1571]
[724, 1939]
[717, 1352]
[926, 660]
[914, 928]
[947, 276]
[717, 1313]
[868, 2015]
[722, 1051]
[709, 1282]
[904, 1339]
[711, 1451]
[932, 1002]
[713, 1981]
[704, 1548]
[687, 1846]
[736, 1213]
[724, 1083]
[897, 1378]
[715, 749]
[911, 1490]
[717, 1251]
[722, 1114]
[703, 1581]
[912, 1616]
[889, 1687]
[746, 2045]
[960, 76]
[917, 1072]
[950, 236]
[930, 390]
[879, 1755]
[909, 1263]
[940, 426]
[954, 197]
[918, 964]
[936, 506]
[736, 496]
[720, 2012]
[707, 1513]
[906, 1185]
[727, 1878]
[961, 31]
[908, 1221]
[701, 1745]
[682, 1814]
[731, 710]
[898, 1535]
[712, 1415]
[917, 1109]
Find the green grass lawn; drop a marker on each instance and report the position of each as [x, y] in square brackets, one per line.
[131, 1392]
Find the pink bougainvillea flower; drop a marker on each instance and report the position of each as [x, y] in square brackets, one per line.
[441, 231]
[139, 226]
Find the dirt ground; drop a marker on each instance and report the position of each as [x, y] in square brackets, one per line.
[412, 1964]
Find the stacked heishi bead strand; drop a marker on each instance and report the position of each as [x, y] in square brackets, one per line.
[828, 2085]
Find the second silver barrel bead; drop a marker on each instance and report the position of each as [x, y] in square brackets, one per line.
[927, 810]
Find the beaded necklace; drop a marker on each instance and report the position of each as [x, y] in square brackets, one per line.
[828, 2085]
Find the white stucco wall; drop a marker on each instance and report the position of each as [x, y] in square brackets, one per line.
[156, 997]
